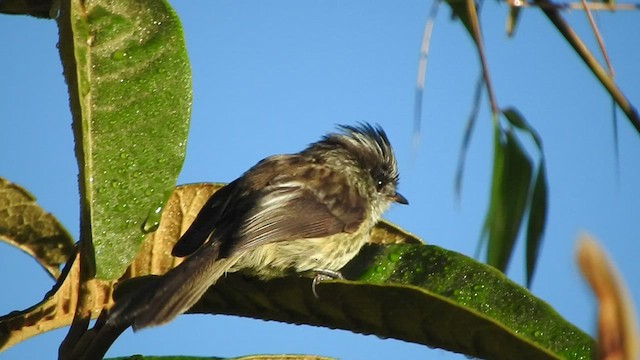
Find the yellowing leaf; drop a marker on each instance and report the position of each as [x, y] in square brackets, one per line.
[30, 228]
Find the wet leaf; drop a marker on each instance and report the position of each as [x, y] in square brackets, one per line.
[416, 293]
[407, 290]
[130, 86]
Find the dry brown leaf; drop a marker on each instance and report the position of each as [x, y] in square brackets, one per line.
[56, 310]
[154, 258]
[617, 329]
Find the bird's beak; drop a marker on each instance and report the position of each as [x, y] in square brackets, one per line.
[399, 199]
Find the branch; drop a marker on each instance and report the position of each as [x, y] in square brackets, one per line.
[552, 13]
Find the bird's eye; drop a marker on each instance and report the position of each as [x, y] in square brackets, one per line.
[379, 178]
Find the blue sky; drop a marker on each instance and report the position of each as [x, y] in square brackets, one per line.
[271, 77]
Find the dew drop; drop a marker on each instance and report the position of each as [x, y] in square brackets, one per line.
[118, 55]
[150, 226]
[152, 222]
[394, 256]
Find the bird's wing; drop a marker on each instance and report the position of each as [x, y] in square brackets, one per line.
[283, 197]
[293, 208]
[207, 220]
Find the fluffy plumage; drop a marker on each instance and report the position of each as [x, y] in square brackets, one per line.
[308, 211]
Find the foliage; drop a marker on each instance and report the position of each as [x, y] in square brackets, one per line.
[130, 92]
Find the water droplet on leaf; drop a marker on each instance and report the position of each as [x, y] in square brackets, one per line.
[118, 55]
[152, 222]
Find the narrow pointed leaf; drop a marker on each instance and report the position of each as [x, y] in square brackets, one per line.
[30, 228]
[510, 191]
[516, 119]
[538, 194]
[130, 85]
[537, 220]
[466, 137]
[499, 155]
[496, 181]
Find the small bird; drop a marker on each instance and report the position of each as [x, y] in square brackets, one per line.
[309, 212]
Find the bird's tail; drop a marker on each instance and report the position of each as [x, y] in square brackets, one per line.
[173, 293]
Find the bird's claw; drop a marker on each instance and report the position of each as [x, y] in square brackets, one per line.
[323, 274]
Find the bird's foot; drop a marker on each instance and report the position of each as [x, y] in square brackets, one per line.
[324, 274]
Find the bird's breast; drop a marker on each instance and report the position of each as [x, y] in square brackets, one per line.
[302, 255]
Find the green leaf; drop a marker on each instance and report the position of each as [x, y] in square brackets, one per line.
[509, 193]
[30, 228]
[468, 131]
[417, 293]
[537, 220]
[496, 182]
[130, 86]
[516, 119]
[538, 194]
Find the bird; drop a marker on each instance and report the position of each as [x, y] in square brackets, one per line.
[310, 212]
